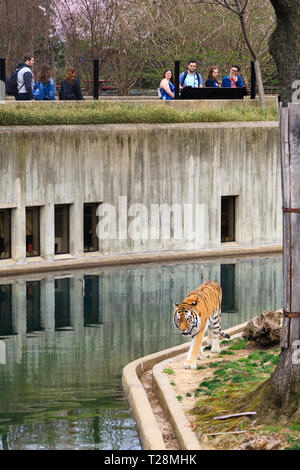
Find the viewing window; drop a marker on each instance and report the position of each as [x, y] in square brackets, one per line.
[32, 231]
[5, 233]
[228, 219]
[91, 242]
[61, 244]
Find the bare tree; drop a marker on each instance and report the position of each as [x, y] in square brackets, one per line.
[239, 8]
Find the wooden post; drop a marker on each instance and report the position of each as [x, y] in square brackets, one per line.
[176, 74]
[253, 81]
[290, 165]
[96, 79]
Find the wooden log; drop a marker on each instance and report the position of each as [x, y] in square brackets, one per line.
[236, 415]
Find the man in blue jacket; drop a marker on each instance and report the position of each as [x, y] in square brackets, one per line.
[25, 79]
[233, 80]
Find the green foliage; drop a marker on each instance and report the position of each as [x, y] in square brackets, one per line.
[88, 113]
[238, 344]
[179, 398]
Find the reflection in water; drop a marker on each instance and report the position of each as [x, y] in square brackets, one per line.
[65, 340]
[33, 306]
[228, 287]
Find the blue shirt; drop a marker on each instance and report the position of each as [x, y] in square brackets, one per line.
[191, 80]
[164, 94]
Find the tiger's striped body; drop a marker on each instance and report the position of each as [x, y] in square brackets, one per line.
[201, 309]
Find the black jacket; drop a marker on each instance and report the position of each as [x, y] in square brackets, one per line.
[70, 91]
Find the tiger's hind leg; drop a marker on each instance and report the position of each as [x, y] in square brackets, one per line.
[214, 326]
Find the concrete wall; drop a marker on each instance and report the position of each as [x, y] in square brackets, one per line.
[192, 164]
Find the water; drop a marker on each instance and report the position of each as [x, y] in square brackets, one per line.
[64, 340]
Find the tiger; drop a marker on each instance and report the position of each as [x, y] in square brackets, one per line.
[200, 310]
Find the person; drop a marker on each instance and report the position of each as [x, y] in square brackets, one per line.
[70, 87]
[166, 87]
[190, 77]
[44, 84]
[212, 80]
[25, 79]
[233, 80]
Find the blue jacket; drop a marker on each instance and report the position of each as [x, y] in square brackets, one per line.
[226, 83]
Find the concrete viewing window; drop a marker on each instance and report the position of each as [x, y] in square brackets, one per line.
[91, 242]
[228, 208]
[32, 231]
[62, 235]
[5, 233]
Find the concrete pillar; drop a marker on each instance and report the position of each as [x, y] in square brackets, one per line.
[18, 226]
[76, 228]
[47, 231]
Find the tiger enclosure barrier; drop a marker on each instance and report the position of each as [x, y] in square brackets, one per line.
[149, 430]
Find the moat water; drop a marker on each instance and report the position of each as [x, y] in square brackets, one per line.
[65, 338]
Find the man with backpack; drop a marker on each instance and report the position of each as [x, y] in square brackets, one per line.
[190, 77]
[20, 82]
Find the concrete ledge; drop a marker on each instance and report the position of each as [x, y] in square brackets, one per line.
[11, 268]
[149, 430]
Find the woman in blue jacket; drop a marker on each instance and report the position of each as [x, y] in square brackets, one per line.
[233, 80]
[44, 87]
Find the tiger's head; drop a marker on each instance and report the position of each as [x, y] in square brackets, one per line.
[186, 317]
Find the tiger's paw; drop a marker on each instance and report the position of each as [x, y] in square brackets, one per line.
[216, 350]
[190, 365]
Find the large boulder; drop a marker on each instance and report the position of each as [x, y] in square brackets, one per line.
[264, 329]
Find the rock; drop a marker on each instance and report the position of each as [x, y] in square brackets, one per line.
[260, 443]
[265, 328]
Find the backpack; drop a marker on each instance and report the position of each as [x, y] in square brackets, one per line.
[185, 75]
[11, 83]
[38, 91]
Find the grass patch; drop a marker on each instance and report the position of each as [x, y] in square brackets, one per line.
[168, 371]
[226, 390]
[88, 113]
[238, 344]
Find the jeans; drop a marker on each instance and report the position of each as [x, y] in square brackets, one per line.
[23, 97]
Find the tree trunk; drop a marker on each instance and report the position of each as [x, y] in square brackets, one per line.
[284, 45]
[280, 398]
[260, 86]
[280, 395]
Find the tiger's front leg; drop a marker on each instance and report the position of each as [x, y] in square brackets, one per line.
[195, 348]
